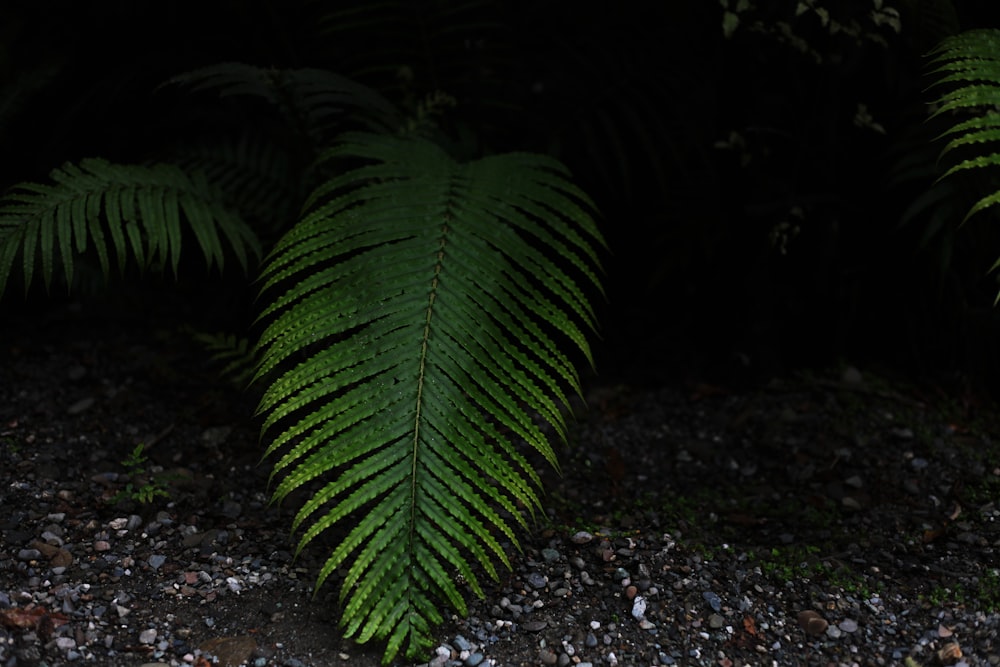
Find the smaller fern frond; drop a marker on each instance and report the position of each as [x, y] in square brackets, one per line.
[254, 171]
[968, 65]
[120, 211]
[235, 354]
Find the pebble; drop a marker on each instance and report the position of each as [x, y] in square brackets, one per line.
[65, 643]
[639, 607]
[848, 625]
[81, 405]
[550, 555]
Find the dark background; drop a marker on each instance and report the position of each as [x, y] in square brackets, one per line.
[700, 150]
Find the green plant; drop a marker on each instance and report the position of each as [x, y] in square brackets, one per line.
[967, 65]
[418, 322]
[142, 486]
[235, 353]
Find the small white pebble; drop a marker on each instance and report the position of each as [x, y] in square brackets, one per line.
[639, 607]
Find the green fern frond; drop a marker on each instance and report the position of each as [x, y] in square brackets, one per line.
[120, 210]
[236, 354]
[314, 101]
[253, 171]
[969, 65]
[422, 308]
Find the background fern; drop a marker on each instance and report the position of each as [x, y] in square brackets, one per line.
[139, 209]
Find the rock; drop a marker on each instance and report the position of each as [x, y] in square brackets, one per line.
[949, 654]
[230, 651]
[80, 406]
[65, 643]
[639, 607]
[147, 636]
[852, 377]
[848, 625]
[812, 622]
[535, 626]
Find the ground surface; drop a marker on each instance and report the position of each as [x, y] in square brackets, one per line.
[823, 518]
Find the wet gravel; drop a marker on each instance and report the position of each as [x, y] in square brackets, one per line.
[832, 518]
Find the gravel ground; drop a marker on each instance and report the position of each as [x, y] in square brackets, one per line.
[832, 518]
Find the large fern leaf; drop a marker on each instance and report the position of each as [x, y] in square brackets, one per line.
[121, 210]
[431, 300]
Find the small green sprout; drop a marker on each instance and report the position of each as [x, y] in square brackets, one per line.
[136, 463]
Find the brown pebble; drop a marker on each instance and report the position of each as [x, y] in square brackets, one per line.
[812, 622]
[101, 545]
[548, 656]
[230, 651]
[631, 592]
[949, 653]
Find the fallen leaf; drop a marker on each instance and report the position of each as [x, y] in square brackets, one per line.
[31, 618]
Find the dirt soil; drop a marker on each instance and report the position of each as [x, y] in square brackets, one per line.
[766, 524]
